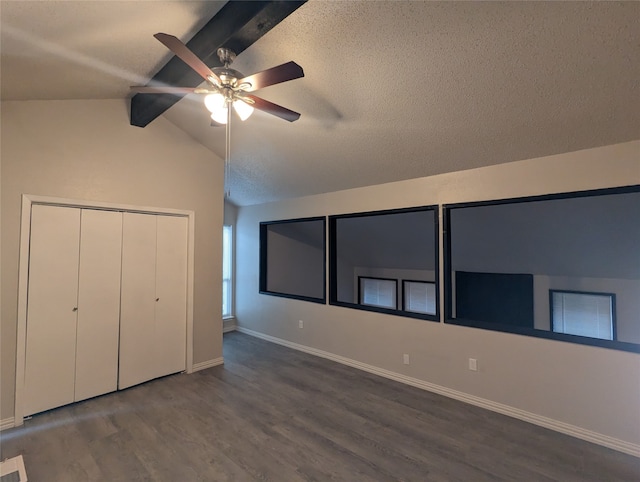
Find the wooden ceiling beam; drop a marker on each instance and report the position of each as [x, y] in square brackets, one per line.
[236, 26]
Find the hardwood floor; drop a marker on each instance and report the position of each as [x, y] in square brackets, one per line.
[271, 413]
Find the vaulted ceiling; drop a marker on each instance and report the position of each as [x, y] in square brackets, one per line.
[392, 89]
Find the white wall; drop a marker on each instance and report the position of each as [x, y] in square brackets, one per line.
[593, 388]
[87, 150]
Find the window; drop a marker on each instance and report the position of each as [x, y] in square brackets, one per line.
[227, 274]
[292, 259]
[370, 252]
[419, 297]
[378, 292]
[560, 266]
[583, 314]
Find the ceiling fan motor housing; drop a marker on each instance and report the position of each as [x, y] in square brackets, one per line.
[226, 56]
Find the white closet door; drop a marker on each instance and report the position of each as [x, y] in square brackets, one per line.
[137, 303]
[51, 315]
[171, 291]
[98, 303]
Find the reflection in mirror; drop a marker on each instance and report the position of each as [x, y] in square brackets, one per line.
[584, 314]
[372, 254]
[419, 296]
[378, 292]
[559, 266]
[292, 259]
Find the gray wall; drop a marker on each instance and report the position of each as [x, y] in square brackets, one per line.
[294, 266]
[87, 150]
[571, 385]
[549, 238]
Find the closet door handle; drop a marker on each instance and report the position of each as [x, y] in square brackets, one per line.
[157, 299]
[75, 308]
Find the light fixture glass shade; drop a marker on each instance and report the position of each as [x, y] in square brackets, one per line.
[243, 109]
[220, 116]
[217, 105]
[214, 102]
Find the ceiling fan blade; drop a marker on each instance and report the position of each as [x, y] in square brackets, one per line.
[273, 109]
[164, 90]
[274, 75]
[188, 57]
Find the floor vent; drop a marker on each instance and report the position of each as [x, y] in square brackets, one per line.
[12, 470]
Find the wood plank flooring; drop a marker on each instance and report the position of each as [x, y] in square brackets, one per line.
[271, 413]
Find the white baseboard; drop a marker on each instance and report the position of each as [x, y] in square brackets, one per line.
[7, 423]
[12, 468]
[207, 364]
[558, 426]
[229, 324]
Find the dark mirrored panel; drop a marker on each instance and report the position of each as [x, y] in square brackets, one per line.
[292, 259]
[561, 266]
[372, 256]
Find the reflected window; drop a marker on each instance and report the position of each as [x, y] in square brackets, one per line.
[292, 259]
[378, 292]
[388, 246]
[419, 297]
[583, 314]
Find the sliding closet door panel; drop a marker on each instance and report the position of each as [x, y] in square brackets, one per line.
[171, 291]
[51, 314]
[98, 303]
[138, 300]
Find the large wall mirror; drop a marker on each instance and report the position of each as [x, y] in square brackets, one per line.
[563, 266]
[292, 259]
[386, 261]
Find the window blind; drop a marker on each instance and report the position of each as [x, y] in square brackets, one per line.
[378, 292]
[583, 314]
[420, 297]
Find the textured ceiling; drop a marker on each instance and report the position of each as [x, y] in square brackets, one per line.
[392, 90]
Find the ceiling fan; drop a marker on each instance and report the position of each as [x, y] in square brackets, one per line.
[226, 86]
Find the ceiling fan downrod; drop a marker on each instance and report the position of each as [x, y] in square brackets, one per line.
[226, 56]
[227, 156]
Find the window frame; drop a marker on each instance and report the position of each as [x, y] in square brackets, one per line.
[262, 286]
[404, 291]
[360, 293]
[612, 297]
[333, 261]
[230, 288]
[550, 334]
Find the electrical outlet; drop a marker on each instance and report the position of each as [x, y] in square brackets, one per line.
[473, 364]
[301, 324]
[405, 358]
